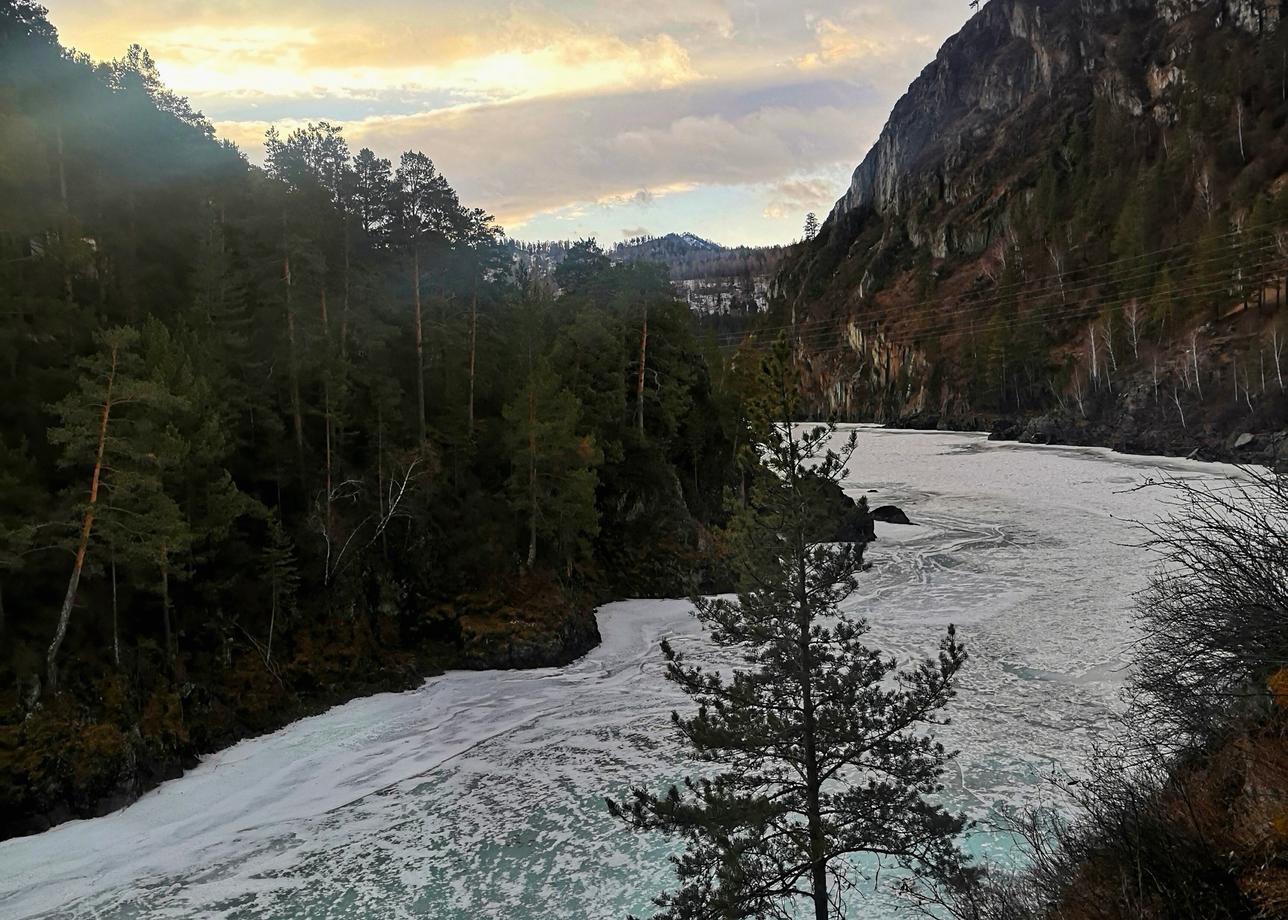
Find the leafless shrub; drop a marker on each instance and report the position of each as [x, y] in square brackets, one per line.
[1215, 616]
[1185, 816]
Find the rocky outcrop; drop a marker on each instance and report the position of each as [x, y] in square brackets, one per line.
[891, 514]
[1013, 58]
[563, 642]
[1062, 169]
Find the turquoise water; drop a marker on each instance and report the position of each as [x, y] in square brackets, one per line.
[481, 794]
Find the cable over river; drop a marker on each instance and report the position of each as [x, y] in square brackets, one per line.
[480, 794]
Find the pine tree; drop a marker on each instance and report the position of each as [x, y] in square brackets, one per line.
[428, 214]
[17, 496]
[552, 483]
[818, 744]
[89, 436]
[811, 225]
[279, 569]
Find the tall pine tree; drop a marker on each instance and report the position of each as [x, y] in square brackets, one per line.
[819, 744]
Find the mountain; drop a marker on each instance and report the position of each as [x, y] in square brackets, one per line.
[690, 257]
[1071, 227]
[714, 280]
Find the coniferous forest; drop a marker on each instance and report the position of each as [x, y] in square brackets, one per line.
[274, 437]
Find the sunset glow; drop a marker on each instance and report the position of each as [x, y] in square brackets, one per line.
[725, 118]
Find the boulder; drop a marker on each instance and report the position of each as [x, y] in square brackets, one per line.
[1280, 461]
[1005, 429]
[1045, 429]
[889, 514]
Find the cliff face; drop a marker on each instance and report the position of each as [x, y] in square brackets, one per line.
[1017, 57]
[981, 252]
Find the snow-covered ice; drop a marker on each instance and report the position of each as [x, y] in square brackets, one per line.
[481, 794]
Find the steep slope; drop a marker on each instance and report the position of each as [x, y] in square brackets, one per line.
[1076, 207]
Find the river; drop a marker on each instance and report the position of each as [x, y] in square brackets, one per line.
[480, 794]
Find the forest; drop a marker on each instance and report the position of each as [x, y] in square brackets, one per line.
[273, 437]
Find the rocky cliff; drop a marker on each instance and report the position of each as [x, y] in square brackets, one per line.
[1072, 198]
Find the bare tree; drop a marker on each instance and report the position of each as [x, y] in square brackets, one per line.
[1212, 618]
[1194, 351]
[1207, 197]
[1133, 314]
[1095, 363]
[340, 550]
[1274, 332]
[1107, 333]
[1057, 262]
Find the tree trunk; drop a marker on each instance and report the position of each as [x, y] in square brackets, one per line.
[380, 478]
[272, 621]
[813, 781]
[62, 197]
[116, 634]
[326, 410]
[87, 525]
[297, 413]
[532, 476]
[329, 511]
[474, 324]
[165, 609]
[420, 347]
[639, 381]
[344, 306]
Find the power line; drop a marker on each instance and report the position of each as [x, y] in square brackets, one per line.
[1035, 316]
[1066, 280]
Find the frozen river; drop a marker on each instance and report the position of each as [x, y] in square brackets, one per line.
[479, 795]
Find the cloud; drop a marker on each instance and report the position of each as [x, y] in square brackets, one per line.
[521, 158]
[837, 44]
[797, 197]
[567, 108]
[630, 233]
[536, 60]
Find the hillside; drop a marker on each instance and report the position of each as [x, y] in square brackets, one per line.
[715, 281]
[1071, 227]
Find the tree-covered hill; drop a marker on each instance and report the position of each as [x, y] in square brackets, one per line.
[273, 437]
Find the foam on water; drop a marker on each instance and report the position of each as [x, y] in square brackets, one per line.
[481, 794]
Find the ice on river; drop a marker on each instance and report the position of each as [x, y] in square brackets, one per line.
[480, 794]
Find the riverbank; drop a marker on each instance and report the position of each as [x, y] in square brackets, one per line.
[480, 793]
[97, 748]
[1138, 421]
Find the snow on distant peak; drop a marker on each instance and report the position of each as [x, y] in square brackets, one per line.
[697, 242]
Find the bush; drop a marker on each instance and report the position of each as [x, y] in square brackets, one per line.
[1188, 815]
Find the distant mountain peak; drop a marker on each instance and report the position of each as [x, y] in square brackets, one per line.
[697, 242]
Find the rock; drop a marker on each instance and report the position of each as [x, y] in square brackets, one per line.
[1244, 440]
[1045, 429]
[1281, 457]
[1005, 429]
[889, 514]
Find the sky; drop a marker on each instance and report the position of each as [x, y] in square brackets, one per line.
[565, 118]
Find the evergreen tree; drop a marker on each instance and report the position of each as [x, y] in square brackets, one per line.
[428, 215]
[552, 483]
[279, 568]
[17, 478]
[90, 436]
[818, 743]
